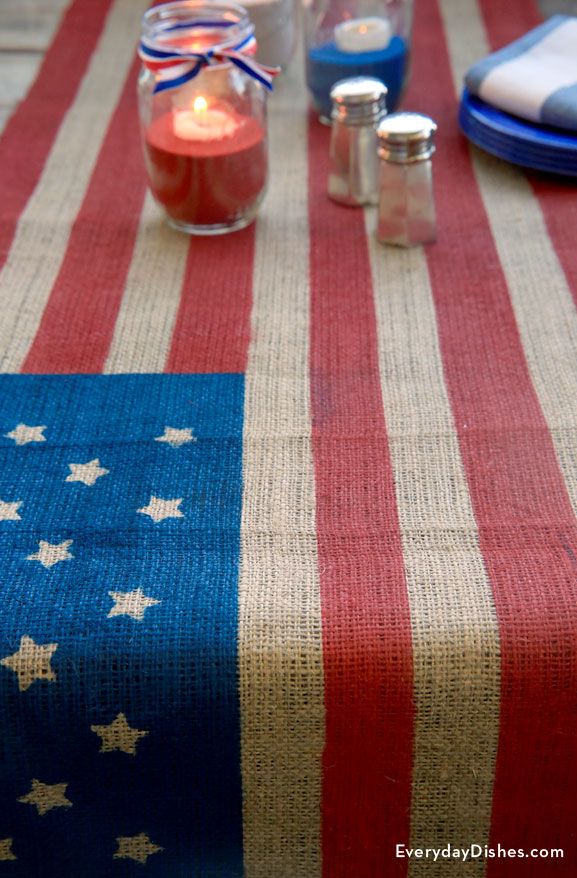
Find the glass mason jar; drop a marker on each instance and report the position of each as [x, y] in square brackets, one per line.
[347, 38]
[203, 118]
[275, 25]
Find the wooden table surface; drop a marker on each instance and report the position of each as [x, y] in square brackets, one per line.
[27, 26]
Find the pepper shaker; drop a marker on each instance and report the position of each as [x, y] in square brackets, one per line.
[406, 199]
[358, 105]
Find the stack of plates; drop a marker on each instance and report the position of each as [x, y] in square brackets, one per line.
[516, 140]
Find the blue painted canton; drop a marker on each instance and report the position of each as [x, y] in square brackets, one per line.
[119, 538]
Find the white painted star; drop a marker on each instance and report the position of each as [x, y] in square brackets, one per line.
[159, 509]
[175, 437]
[22, 434]
[9, 511]
[50, 554]
[86, 472]
[136, 847]
[31, 662]
[131, 603]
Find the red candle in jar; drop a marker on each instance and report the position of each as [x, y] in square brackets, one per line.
[207, 164]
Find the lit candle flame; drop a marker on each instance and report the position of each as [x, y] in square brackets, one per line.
[200, 105]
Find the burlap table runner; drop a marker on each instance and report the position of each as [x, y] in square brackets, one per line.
[289, 549]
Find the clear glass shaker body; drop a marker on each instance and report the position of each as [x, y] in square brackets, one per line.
[406, 197]
[358, 105]
[205, 141]
[353, 179]
[406, 203]
[345, 38]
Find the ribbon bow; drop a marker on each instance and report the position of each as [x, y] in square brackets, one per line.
[175, 67]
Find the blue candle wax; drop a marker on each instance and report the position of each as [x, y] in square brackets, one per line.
[326, 64]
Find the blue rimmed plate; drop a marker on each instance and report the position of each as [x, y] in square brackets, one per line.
[516, 140]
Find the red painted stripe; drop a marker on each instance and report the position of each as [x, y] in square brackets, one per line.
[78, 323]
[212, 328]
[367, 763]
[522, 16]
[558, 201]
[212, 331]
[527, 529]
[30, 132]
[556, 196]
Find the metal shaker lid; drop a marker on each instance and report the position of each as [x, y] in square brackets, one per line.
[359, 100]
[406, 137]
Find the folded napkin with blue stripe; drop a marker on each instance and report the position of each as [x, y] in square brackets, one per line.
[534, 77]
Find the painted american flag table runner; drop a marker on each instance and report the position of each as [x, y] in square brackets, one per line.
[289, 547]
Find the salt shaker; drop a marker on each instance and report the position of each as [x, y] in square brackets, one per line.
[406, 200]
[358, 105]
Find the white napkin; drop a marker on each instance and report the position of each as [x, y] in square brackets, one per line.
[534, 77]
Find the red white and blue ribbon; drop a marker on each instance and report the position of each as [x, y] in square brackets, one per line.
[174, 67]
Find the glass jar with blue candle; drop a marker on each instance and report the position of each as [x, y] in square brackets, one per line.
[357, 38]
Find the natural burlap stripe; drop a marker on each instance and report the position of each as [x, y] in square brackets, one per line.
[524, 487]
[546, 323]
[146, 319]
[44, 227]
[455, 635]
[34, 124]
[77, 324]
[280, 645]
